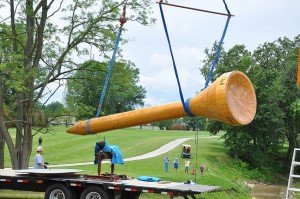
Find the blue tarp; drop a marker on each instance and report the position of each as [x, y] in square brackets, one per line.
[148, 179]
[117, 157]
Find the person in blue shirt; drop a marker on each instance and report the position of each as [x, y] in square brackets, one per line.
[176, 164]
[38, 159]
[166, 164]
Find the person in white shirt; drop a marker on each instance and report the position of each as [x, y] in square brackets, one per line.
[186, 166]
[38, 159]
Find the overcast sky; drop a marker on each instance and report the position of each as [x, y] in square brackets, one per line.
[255, 22]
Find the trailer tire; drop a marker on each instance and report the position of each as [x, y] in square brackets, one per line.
[58, 191]
[92, 192]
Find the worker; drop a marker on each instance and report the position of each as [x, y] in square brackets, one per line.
[38, 159]
[105, 151]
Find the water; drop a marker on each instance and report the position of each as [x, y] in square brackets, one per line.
[268, 192]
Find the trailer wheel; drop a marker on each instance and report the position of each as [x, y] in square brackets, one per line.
[94, 192]
[58, 191]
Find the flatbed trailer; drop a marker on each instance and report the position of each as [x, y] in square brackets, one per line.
[78, 186]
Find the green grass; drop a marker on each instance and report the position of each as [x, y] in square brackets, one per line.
[221, 170]
[8, 194]
[61, 147]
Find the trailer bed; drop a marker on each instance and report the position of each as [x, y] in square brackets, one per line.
[16, 180]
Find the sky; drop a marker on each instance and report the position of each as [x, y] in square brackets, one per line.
[191, 32]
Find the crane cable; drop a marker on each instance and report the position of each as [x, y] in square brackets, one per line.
[122, 21]
[298, 75]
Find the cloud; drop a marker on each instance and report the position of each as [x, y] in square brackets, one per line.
[255, 22]
[160, 79]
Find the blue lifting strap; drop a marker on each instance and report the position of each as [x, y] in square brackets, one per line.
[109, 69]
[185, 104]
[214, 63]
[112, 61]
[218, 51]
[108, 74]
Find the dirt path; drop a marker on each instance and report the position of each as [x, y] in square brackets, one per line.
[163, 149]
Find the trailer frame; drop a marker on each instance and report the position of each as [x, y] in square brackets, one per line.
[75, 185]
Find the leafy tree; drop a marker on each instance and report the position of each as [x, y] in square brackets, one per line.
[270, 68]
[55, 109]
[279, 60]
[195, 122]
[162, 125]
[237, 58]
[38, 48]
[123, 93]
[286, 54]
[45, 114]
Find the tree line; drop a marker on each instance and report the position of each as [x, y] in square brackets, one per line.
[272, 68]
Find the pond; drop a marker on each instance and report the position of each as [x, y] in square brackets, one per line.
[268, 192]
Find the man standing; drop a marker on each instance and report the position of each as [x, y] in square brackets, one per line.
[38, 159]
[166, 164]
[186, 166]
[176, 164]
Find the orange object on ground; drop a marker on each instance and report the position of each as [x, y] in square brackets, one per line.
[230, 99]
[298, 75]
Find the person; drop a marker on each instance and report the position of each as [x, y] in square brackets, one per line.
[202, 167]
[176, 164]
[166, 164]
[186, 166]
[105, 151]
[193, 171]
[38, 159]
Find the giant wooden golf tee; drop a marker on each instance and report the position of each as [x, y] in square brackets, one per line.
[230, 99]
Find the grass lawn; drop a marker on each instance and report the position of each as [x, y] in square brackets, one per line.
[221, 170]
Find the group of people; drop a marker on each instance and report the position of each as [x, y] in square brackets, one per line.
[166, 164]
[187, 165]
[39, 163]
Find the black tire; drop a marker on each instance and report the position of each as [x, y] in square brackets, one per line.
[92, 192]
[59, 191]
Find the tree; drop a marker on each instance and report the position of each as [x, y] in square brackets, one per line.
[237, 139]
[123, 93]
[280, 59]
[286, 54]
[195, 122]
[46, 114]
[162, 125]
[55, 109]
[270, 68]
[41, 49]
